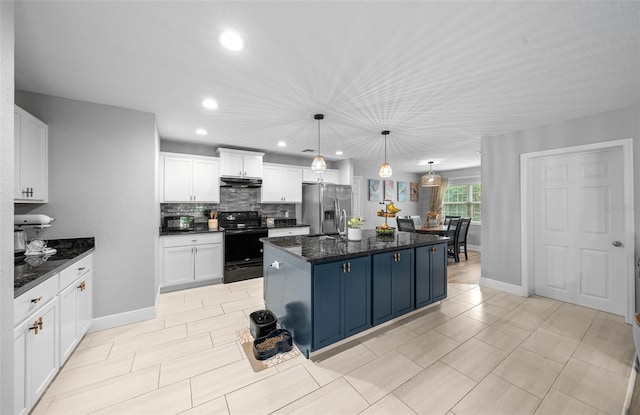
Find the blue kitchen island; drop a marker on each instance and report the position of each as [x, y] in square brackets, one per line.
[326, 289]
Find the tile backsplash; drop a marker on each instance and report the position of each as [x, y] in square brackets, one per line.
[231, 199]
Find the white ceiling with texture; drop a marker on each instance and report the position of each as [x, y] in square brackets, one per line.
[439, 75]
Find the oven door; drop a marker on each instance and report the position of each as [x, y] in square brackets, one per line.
[243, 254]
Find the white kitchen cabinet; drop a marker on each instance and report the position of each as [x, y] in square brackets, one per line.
[240, 163]
[281, 184]
[190, 178]
[35, 343]
[31, 147]
[296, 230]
[192, 258]
[76, 311]
[329, 176]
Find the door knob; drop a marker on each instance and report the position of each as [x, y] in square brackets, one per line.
[617, 243]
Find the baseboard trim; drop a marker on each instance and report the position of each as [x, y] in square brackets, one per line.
[474, 248]
[500, 285]
[120, 319]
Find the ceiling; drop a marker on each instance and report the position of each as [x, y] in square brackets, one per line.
[438, 75]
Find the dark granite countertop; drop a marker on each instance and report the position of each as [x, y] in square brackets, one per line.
[318, 249]
[36, 269]
[198, 228]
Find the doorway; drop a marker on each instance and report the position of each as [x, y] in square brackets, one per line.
[578, 226]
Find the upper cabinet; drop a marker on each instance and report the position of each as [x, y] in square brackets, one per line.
[281, 184]
[190, 178]
[31, 144]
[240, 163]
[329, 176]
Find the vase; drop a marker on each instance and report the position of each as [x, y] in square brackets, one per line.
[354, 234]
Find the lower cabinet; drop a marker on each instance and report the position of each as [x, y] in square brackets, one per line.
[341, 300]
[75, 314]
[355, 294]
[431, 274]
[50, 320]
[393, 284]
[35, 347]
[191, 258]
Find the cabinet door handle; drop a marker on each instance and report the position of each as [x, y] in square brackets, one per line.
[434, 250]
[240, 173]
[344, 267]
[196, 249]
[36, 300]
[398, 256]
[82, 286]
[37, 326]
[349, 266]
[245, 173]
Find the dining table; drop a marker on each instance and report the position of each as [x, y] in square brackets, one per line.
[441, 230]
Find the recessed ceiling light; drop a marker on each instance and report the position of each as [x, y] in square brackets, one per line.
[231, 40]
[338, 153]
[209, 104]
[282, 144]
[201, 131]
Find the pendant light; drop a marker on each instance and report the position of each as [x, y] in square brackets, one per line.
[385, 169]
[318, 165]
[430, 179]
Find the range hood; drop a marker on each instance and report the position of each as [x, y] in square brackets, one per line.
[239, 182]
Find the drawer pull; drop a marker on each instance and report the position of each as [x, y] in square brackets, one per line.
[36, 300]
[82, 268]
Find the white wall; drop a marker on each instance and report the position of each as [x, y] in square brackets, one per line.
[6, 205]
[102, 163]
[369, 209]
[501, 180]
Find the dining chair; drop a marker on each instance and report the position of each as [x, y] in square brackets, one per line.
[447, 219]
[462, 238]
[454, 234]
[405, 224]
[417, 221]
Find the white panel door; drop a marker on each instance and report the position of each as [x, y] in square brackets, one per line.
[178, 264]
[292, 184]
[271, 184]
[178, 174]
[578, 199]
[206, 181]
[208, 261]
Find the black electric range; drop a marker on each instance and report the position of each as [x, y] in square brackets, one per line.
[242, 246]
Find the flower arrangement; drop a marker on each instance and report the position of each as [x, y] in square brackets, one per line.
[355, 222]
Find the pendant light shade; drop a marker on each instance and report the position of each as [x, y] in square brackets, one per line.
[430, 179]
[385, 169]
[318, 165]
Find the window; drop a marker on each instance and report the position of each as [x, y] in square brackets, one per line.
[463, 200]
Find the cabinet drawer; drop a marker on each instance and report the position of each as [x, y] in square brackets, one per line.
[273, 233]
[34, 299]
[193, 239]
[75, 271]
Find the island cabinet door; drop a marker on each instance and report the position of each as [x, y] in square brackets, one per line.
[327, 304]
[423, 276]
[439, 272]
[393, 284]
[357, 296]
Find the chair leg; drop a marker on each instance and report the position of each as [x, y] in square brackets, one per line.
[465, 251]
[456, 253]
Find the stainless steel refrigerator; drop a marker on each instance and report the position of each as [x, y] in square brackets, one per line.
[326, 207]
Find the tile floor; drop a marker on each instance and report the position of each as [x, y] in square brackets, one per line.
[481, 351]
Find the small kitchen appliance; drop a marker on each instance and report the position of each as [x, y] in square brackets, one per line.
[178, 223]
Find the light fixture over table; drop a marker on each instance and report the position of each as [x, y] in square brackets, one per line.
[430, 179]
[318, 165]
[385, 169]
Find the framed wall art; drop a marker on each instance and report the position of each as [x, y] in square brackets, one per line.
[388, 190]
[415, 191]
[375, 192]
[403, 191]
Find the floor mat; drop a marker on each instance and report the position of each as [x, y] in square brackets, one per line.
[257, 365]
